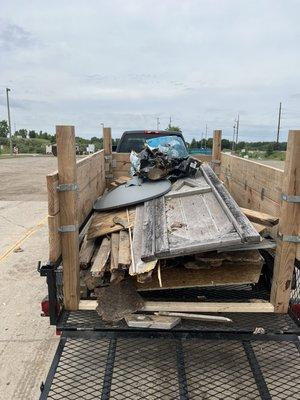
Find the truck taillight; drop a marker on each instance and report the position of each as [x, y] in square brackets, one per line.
[295, 308]
[45, 307]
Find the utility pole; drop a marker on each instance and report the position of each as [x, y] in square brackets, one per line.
[233, 139]
[278, 126]
[9, 123]
[205, 136]
[157, 123]
[237, 130]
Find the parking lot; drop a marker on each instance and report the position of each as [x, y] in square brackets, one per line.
[27, 342]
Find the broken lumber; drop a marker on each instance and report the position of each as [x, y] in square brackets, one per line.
[260, 217]
[86, 252]
[103, 222]
[114, 254]
[140, 267]
[117, 301]
[99, 264]
[124, 256]
[151, 321]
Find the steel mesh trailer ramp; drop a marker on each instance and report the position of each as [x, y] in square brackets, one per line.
[159, 365]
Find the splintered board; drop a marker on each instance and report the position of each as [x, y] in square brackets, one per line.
[198, 215]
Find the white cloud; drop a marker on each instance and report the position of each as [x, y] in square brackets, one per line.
[125, 62]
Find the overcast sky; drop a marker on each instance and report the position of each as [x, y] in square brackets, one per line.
[125, 63]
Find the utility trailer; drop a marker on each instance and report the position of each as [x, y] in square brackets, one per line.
[257, 356]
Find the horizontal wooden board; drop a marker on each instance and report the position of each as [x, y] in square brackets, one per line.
[198, 307]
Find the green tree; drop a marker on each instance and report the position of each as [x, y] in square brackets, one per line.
[270, 149]
[32, 134]
[22, 133]
[193, 143]
[171, 128]
[4, 130]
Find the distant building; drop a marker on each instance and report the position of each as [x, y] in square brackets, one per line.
[90, 149]
[48, 148]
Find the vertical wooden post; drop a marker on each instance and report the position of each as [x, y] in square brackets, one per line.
[66, 159]
[107, 147]
[288, 227]
[216, 151]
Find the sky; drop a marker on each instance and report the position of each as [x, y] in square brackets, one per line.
[127, 63]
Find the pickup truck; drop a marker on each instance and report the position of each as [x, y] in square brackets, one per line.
[254, 357]
[134, 140]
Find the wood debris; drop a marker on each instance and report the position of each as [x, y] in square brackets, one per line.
[151, 321]
[155, 246]
[118, 300]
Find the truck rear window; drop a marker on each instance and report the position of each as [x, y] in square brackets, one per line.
[132, 143]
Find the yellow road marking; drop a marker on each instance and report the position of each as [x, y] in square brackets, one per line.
[29, 233]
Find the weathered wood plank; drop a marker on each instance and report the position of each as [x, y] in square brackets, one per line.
[152, 306]
[289, 225]
[99, 264]
[114, 254]
[67, 174]
[260, 218]
[103, 222]
[242, 224]
[124, 257]
[188, 192]
[148, 240]
[198, 307]
[86, 252]
[161, 230]
[141, 267]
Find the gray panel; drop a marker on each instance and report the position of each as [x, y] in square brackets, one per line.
[133, 192]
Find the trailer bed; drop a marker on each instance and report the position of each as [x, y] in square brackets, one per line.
[138, 364]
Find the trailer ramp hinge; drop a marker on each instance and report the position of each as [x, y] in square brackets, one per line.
[289, 238]
[67, 187]
[67, 228]
[290, 198]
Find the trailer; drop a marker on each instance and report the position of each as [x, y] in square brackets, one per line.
[257, 356]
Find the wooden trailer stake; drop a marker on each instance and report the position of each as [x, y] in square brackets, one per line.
[67, 174]
[216, 151]
[288, 227]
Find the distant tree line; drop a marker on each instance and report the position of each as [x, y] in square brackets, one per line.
[227, 144]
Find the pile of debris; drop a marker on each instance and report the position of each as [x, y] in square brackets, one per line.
[195, 235]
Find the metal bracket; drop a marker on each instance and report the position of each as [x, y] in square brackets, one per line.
[67, 228]
[262, 193]
[216, 162]
[67, 187]
[290, 198]
[289, 238]
[109, 176]
[107, 158]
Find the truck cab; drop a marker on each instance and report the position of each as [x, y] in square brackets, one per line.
[135, 140]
